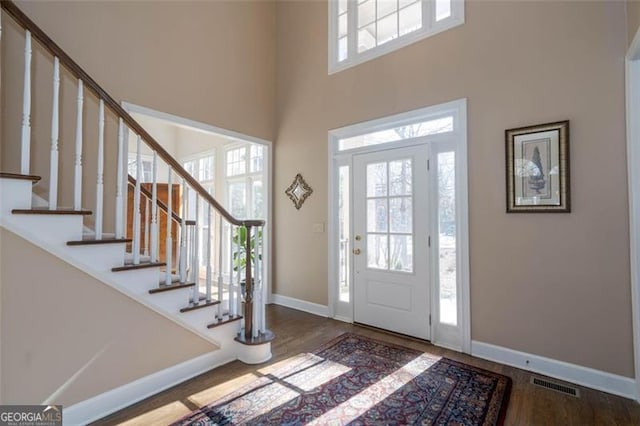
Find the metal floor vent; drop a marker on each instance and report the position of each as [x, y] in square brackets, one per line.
[554, 386]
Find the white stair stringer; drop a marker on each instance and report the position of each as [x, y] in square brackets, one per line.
[52, 232]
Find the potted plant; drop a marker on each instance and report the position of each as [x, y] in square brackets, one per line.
[240, 254]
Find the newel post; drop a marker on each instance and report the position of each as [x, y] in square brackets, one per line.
[248, 298]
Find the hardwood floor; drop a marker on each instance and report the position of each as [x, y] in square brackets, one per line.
[301, 332]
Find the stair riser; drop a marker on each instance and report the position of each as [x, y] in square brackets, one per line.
[137, 281]
[52, 229]
[14, 194]
[101, 257]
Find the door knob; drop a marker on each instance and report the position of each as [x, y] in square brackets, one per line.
[356, 251]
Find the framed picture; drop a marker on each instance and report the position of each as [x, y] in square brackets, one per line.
[538, 168]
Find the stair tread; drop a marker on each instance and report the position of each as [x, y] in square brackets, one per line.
[139, 266]
[32, 178]
[91, 240]
[164, 287]
[225, 320]
[45, 210]
[200, 305]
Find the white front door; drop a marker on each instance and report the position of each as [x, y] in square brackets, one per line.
[391, 240]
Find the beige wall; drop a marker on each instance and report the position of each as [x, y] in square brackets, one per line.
[55, 318]
[556, 285]
[633, 19]
[212, 62]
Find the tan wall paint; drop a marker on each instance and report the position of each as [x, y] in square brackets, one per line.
[210, 61]
[556, 285]
[55, 318]
[633, 19]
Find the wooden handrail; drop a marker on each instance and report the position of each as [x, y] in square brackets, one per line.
[161, 204]
[12, 9]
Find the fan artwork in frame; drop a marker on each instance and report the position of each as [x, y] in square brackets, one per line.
[538, 168]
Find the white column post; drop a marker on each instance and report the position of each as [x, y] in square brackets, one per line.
[120, 168]
[169, 239]
[136, 204]
[154, 210]
[100, 183]
[55, 124]
[26, 108]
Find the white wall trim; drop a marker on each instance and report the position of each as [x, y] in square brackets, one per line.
[589, 377]
[113, 400]
[301, 305]
[204, 127]
[632, 80]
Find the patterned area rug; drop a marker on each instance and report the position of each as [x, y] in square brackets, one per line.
[360, 381]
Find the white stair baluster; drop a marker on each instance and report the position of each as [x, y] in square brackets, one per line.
[100, 178]
[259, 299]
[232, 306]
[183, 235]
[147, 207]
[26, 108]
[137, 216]
[120, 168]
[55, 123]
[154, 210]
[125, 182]
[169, 239]
[195, 250]
[220, 306]
[77, 183]
[263, 289]
[208, 255]
[238, 288]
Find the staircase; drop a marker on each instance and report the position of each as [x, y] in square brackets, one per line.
[212, 284]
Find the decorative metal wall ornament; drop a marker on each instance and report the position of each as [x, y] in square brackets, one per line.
[298, 191]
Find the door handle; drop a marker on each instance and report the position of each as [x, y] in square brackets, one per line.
[356, 251]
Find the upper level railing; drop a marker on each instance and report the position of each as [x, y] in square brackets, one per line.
[230, 229]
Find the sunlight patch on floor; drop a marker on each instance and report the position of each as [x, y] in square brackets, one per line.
[166, 414]
[359, 404]
[306, 371]
[216, 392]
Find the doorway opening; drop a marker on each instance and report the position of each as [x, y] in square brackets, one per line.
[234, 168]
[398, 222]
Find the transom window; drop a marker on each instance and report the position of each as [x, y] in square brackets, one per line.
[360, 30]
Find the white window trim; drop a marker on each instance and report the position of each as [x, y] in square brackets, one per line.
[453, 337]
[457, 18]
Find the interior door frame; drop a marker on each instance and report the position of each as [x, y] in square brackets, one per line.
[338, 158]
[632, 77]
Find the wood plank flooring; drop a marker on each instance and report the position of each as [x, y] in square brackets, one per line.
[299, 332]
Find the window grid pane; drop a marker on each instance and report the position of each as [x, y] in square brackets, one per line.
[389, 218]
[447, 238]
[377, 22]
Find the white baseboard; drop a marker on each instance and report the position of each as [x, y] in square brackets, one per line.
[589, 377]
[116, 399]
[301, 305]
